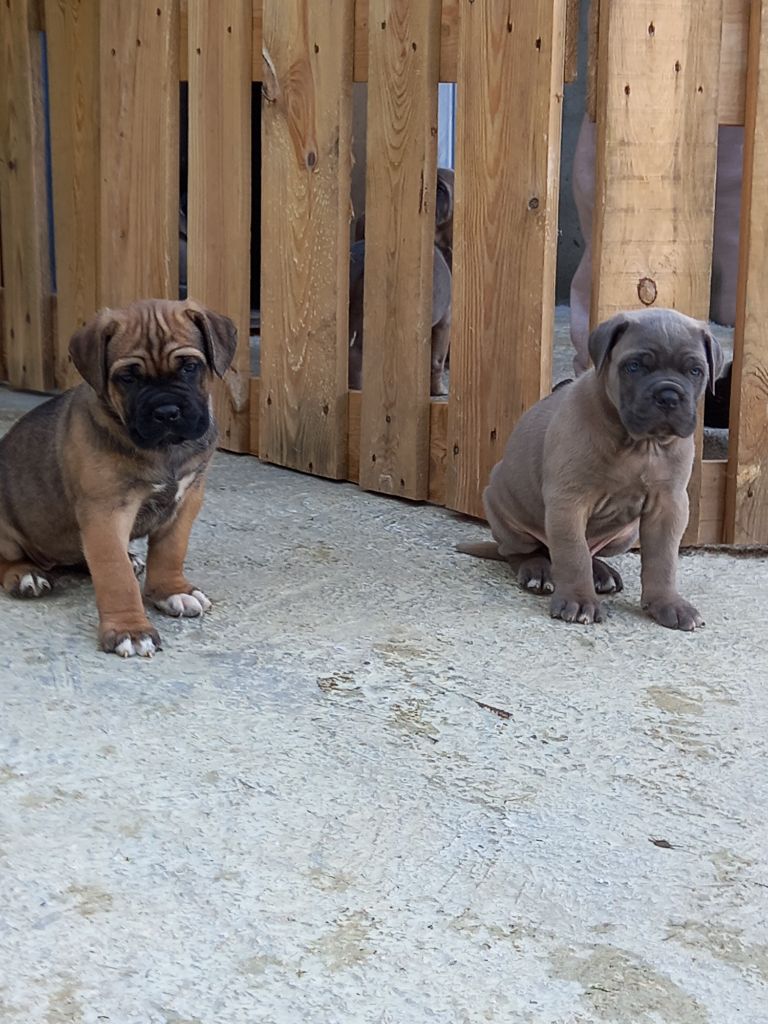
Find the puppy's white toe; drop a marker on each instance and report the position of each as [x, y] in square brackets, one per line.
[125, 648]
[205, 604]
[188, 606]
[146, 647]
[32, 585]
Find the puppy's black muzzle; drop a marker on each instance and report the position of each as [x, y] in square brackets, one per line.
[162, 415]
[659, 406]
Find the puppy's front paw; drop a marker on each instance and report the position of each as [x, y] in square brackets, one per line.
[674, 613]
[571, 608]
[142, 640]
[186, 606]
[535, 574]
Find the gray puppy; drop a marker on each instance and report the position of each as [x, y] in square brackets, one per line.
[602, 462]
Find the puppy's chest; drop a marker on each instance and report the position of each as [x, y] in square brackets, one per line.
[165, 499]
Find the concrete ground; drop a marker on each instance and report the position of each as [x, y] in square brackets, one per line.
[378, 784]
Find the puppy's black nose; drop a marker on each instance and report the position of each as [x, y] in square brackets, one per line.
[167, 413]
[668, 397]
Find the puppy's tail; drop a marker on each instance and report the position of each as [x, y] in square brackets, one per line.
[484, 549]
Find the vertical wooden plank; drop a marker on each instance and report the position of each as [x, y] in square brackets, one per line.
[401, 183]
[72, 29]
[656, 161]
[733, 61]
[3, 366]
[139, 150]
[306, 133]
[505, 231]
[593, 28]
[219, 217]
[746, 516]
[449, 39]
[571, 58]
[23, 199]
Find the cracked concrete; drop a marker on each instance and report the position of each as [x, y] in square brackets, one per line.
[377, 784]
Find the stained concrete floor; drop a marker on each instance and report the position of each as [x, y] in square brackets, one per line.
[377, 784]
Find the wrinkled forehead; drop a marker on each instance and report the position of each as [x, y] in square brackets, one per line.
[154, 334]
[667, 339]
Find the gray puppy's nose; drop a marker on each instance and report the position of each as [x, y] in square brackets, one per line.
[166, 413]
[668, 396]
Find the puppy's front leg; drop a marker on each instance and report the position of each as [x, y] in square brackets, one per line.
[662, 526]
[574, 599]
[167, 586]
[123, 625]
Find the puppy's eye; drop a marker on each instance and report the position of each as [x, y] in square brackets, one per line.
[190, 367]
[696, 371]
[128, 376]
[632, 366]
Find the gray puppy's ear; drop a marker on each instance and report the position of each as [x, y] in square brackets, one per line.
[88, 349]
[715, 357]
[219, 337]
[604, 337]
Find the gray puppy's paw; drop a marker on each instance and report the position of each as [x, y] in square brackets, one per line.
[535, 574]
[34, 583]
[674, 612]
[607, 580]
[571, 608]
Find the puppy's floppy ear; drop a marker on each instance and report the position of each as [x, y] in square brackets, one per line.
[88, 349]
[715, 357]
[604, 337]
[219, 337]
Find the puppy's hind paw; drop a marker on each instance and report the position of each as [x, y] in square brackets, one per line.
[33, 583]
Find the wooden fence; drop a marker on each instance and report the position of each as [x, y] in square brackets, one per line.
[662, 77]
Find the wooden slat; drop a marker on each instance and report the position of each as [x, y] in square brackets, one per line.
[306, 133]
[256, 35]
[712, 509]
[746, 520]
[656, 161]
[139, 151]
[505, 231]
[571, 58]
[400, 190]
[593, 47]
[449, 40]
[733, 61]
[219, 217]
[29, 355]
[72, 28]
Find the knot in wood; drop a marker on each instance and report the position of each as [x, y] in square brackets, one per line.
[647, 291]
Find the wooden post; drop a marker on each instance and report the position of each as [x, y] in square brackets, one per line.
[400, 189]
[746, 515]
[657, 107]
[219, 219]
[23, 207]
[306, 131]
[139, 150]
[72, 29]
[505, 231]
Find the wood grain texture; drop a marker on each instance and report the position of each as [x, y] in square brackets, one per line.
[733, 61]
[712, 504]
[657, 116]
[27, 271]
[219, 214]
[593, 48]
[401, 181]
[746, 520]
[139, 151]
[72, 28]
[505, 231]
[306, 162]
[449, 39]
[256, 40]
[571, 57]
